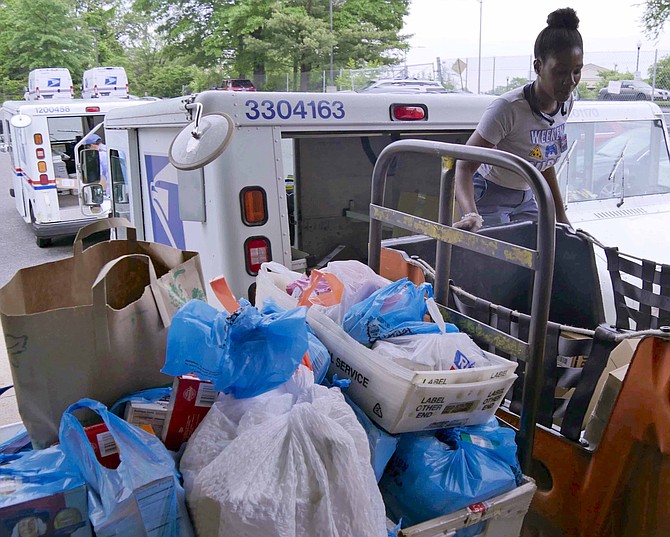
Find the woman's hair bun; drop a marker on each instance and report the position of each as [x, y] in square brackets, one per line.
[563, 18]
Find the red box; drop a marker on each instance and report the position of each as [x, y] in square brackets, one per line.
[104, 445]
[190, 401]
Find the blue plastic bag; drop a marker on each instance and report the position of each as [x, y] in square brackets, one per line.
[318, 354]
[244, 353]
[142, 496]
[395, 310]
[143, 396]
[433, 474]
[382, 444]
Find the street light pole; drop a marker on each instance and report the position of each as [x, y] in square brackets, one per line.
[331, 45]
[637, 63]
[95, 31]
[479, 61]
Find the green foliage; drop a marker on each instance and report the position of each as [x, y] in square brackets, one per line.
[41, 33]
[655, 16]
[354, 76]
[611, 74]
[512, 83]
[585, 93]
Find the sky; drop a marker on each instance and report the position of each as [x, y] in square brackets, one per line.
[450, 28]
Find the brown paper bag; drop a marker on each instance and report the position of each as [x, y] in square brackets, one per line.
[93, 325]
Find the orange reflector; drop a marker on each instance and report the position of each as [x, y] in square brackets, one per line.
[93, 109]
[44, 179]
[409, 112]
[37, 137]
[256, 252]
[254, 206]
[39, 152]
[42, 166]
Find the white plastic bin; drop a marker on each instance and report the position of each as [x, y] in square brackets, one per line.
[501, 516]
[396, 398]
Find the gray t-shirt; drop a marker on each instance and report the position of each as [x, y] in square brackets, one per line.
[510, 125]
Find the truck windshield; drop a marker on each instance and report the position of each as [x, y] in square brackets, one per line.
[608, 157]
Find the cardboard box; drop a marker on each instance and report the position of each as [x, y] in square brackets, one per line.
[619, 357]
[501, 516]
[190, 401]
[104, 445]
[153, 414]
[603, 409]
[63, 513]
[572, 360]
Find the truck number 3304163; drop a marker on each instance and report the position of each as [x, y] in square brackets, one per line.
[282, 109]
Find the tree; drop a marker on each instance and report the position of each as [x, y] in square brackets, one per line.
[41, 33]
[655, 16]
[662, 72]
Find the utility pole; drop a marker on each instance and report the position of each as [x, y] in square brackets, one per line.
[331, 46]
[479, 62]
[95, 31]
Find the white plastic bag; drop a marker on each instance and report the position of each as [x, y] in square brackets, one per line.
[359, 281]
[433, 352]
[299, 466]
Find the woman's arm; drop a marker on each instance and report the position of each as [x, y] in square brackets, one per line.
[550, 176]
[465, 192]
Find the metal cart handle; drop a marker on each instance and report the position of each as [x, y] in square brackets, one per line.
[541, 260]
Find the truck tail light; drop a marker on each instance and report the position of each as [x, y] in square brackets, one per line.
[256, 252]
[39, 152]
[254, 206]
[37, 138]
[42, 166]
[409, 112]
[44, 179]
[93, 109]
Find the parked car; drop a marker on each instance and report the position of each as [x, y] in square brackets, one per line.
[236, 84]
[661, 94]
[631, 90]
[403, 85]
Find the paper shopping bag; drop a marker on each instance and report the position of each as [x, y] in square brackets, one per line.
[93, 325]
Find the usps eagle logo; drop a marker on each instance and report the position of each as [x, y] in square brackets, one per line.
[53, 83]
[110, 81]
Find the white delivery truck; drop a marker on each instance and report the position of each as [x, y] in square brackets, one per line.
[235, 208]
[43, 140]
[104, 82]
[51, 83]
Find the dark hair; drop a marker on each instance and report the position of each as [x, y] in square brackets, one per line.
[561, 33]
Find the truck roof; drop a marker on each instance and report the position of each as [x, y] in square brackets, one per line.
[75, 107]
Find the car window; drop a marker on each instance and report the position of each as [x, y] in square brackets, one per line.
[243, 83]
[595, 169]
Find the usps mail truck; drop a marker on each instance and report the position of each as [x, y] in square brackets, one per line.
[54, 83]
[44, 140]
[104, 82]
[286, 176]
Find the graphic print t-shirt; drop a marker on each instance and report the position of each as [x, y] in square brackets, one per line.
[511, 126]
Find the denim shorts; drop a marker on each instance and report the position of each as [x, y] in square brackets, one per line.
[499, 205]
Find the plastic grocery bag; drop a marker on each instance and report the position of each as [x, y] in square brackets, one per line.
[437, 352]
[219, 427]
[359, 282]
[244, 353]
[319, 357]
[382, 444]
[298, 466]
[433, 474]
[142, 497]
[43, 493]
[395, 310]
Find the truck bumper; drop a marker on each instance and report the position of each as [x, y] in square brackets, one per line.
[52, 230]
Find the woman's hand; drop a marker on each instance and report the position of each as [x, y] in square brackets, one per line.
[470, 222]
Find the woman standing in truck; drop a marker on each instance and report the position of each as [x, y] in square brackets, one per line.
[528, 122]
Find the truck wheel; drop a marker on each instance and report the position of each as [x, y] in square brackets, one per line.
[42, 242]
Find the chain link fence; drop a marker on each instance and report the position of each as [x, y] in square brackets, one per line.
[496, 74]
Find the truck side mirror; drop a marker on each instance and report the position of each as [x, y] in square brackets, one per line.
[90, 166]
[93, 195]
